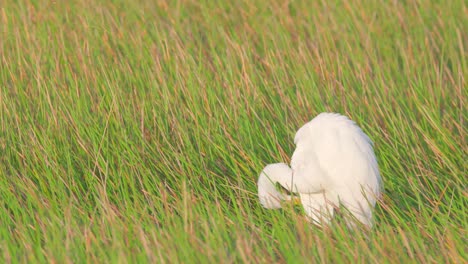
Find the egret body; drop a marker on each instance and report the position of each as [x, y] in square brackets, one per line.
[333, 164]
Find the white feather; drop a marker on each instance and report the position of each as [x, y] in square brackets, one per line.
[334, 164]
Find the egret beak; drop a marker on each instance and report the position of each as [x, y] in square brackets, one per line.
[292, 200]
[296, 200]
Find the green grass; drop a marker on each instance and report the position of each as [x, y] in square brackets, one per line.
[135, 130]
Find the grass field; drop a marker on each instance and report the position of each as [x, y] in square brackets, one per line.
[135, 130]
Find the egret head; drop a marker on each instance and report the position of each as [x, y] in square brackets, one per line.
[268, 195]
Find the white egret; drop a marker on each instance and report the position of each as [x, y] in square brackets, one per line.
[334, 164]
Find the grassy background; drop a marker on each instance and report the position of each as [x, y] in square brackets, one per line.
[135, 130]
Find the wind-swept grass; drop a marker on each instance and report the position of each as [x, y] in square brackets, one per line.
[135, 130]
